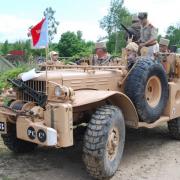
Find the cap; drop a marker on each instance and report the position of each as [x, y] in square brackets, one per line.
[100, 45]
[135, 18]
[164, 41]
[132, 46]
[54, 53]
[142, 15]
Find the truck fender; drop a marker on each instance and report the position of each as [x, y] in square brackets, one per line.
[87, 97]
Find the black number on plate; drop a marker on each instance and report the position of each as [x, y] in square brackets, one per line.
[41, 134]
[2, 126]
[31, 133]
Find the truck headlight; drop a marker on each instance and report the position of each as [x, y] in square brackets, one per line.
[58, 91]
[64, 92]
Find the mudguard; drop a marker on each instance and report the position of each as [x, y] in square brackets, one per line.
[85, 97]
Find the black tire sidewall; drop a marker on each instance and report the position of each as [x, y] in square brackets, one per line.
[157, 71]
[135, 89]
[95, 153]
[116, 121]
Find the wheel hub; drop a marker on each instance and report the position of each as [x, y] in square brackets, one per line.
[112, 145]
[153, 91]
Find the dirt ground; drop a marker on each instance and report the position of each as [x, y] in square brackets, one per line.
[148, 155]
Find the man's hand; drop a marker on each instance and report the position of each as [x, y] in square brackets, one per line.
[142, 45]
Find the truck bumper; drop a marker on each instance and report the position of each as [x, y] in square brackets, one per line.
[27, 130]
[35, 132]
[54, 128]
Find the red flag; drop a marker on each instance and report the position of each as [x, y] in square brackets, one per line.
[39, 34]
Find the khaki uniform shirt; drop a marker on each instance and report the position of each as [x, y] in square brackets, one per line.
[53, 63]
[148, 32]
[101, 61]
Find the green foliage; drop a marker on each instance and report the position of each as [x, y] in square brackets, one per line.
[6, 101]
[116, 42]
[52, 23]
[53, 47]
[5, 48]
[12, 73]
[71, 44]
[173, 34]
[111, 23]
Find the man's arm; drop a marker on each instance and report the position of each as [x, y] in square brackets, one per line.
[153, 38]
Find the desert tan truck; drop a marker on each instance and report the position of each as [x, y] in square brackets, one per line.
[50, 105]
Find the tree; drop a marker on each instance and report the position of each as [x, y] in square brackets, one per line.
[52, 23]
[79, 35]
[111, 23]
[5, 48]
[114, 46]
[117, 14]
[173, 34]
[72, 44]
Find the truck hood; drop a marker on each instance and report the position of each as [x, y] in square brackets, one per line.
[67, 74]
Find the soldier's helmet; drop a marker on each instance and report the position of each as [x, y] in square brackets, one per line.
[164, 42]
[142, 15]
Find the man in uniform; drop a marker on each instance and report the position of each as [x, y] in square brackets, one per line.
[148, 36]
[132, 53]
[53, 56]
[135, 29]
[163, 55]
[163, 45]
[52, 60]
[102, 56]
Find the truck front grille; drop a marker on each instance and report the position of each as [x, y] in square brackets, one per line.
[39, 86]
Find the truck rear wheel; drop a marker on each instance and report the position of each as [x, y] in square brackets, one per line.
[147, 87]
[104, 142]
[174, 128]
[17, 145]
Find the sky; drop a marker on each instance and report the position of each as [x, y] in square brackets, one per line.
[16, 16]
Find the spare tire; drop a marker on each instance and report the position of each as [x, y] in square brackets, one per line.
[147, 87]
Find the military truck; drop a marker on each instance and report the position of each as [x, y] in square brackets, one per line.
[50, 105]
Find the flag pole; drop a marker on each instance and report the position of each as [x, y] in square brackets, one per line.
[47, 49]
[40, 32]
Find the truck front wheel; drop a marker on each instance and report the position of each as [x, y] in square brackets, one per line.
[14, 144]
[104, 142]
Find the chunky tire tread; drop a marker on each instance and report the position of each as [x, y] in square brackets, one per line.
[95, 140]
[135, 88]
[174, 128]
